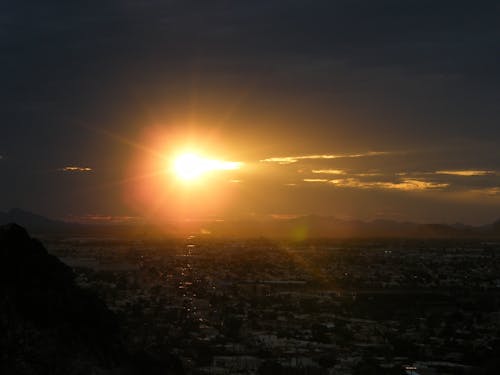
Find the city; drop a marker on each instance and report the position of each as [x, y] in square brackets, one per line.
[315, 307]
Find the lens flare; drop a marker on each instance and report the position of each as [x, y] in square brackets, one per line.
[190, 166]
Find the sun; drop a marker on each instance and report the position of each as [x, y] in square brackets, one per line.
[190, 166]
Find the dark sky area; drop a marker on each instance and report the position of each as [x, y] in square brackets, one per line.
[356, 109]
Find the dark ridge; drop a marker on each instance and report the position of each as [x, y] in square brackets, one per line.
[33, 222]
[313, 225]
[51, 326]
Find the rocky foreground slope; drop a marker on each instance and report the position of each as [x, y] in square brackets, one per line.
[49, 325]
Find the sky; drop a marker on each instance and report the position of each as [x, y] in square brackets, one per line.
[356, 109]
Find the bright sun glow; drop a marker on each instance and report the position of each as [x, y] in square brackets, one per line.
[190, 166]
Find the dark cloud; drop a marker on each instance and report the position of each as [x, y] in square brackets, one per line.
[340, 75]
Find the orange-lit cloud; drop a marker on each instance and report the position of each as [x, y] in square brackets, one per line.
[368, 174]
[315, 180]
[295, 159]
[344, 172]
[466, 173]
[328, 171]
[73, 168]
[414, 184]
[405, 185]
[490, 191]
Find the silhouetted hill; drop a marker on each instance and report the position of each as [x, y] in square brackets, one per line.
[48, 324]
[32, 222]
[309, 226]
[39, 224]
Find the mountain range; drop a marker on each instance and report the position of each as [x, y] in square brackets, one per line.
[298, 228]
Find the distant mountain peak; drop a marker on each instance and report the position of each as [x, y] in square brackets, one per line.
[33, 222]
[19, 212]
